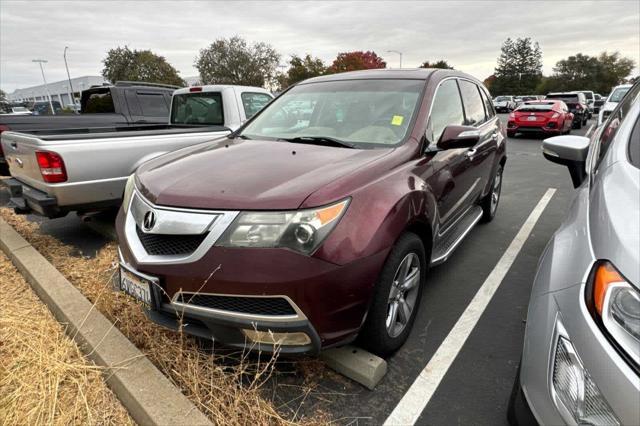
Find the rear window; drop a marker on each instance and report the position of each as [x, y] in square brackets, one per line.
[254, 102]
[548, 106]
[99, 103]
[618, 94]
[570, 99]
[202, 108]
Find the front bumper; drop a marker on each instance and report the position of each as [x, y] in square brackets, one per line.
[331, 300]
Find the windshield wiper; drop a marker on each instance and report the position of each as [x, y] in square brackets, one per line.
[320, 140]
[242, 137]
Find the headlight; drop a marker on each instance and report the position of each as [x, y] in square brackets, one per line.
[300, 230]
[615, 304]
[555, 115]
[128, 193]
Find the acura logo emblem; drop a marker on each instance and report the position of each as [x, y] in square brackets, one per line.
[149, 221]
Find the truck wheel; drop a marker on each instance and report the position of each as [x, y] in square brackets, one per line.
[511, 134]
[490, 202]
[396, 297]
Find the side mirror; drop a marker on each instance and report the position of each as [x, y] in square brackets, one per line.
[570, 151]
[454, 137]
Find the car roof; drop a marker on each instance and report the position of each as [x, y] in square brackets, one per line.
[220, 87]
[389, 73]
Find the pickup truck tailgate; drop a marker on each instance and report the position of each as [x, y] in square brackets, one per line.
[20, 152]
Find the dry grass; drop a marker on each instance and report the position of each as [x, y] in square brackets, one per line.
[227, 391]
[44, 378]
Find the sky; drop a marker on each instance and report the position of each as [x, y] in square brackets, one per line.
[467, 34]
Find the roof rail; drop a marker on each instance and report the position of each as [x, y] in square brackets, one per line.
[142, 83]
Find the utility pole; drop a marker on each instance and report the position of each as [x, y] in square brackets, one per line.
[399, 53]
[46, 88]
[72, 99]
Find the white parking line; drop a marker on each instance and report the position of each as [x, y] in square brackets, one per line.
[589, 130]
[417, 397]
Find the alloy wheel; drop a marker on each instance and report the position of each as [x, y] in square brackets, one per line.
[495, 191]
[403, 294]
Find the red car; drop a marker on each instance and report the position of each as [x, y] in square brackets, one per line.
[546, 116]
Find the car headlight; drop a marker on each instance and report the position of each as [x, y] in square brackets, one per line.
[128, 193]
[299, 230]
[555, 115]
[615, 304]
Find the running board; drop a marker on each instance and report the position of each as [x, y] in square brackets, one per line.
[454, 236]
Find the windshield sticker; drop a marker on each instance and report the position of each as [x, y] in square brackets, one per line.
[397, 120]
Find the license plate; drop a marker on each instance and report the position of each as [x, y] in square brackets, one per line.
[135, 286]
[531, 118]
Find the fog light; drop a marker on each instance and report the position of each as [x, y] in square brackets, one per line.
[576, 391]
[283, 339]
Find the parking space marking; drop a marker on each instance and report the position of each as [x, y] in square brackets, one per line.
[419, 394]
[589, 130]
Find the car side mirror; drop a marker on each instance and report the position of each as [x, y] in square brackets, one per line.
[454, 137]
[570, 151]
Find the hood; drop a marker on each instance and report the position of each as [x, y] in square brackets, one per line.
[236, 174]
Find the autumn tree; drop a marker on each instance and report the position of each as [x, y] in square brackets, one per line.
[234, 61]
[353, 61]
[124, 64]
[519, 68]
[442, 64]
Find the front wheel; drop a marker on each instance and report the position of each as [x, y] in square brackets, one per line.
[396, 297]
[490, 202]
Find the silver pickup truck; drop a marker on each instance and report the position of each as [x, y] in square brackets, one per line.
[85, 170]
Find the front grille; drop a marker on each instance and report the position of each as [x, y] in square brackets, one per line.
[270, 306]
[167, 245]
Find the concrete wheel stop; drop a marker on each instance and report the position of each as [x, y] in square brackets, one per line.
[357, 364]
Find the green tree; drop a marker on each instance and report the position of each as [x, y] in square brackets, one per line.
[358, 60]
[442, 64]
[304, 68]
[519, 68]
[124, 64]
[3, 95]
[234, 61]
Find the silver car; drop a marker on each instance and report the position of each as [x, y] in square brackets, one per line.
[581, 357]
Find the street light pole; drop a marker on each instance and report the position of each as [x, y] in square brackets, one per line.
[46, 88]
[71, 99]
[399, 53]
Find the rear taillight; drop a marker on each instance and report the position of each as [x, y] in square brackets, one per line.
[51, 167]
[195, 89]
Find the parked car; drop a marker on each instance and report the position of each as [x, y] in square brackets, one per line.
[581, 358]
[617, 94]
[576, 101]
[83, 170]
[549, 117]
[528, 98]
[598, 102]
[44, 108]
[504, 103]
[122, 105]
[18, 110]
[590, 97]
[339, 212]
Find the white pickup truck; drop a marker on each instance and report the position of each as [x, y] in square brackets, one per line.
[85, 170]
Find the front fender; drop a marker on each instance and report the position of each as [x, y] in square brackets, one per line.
[146, 158]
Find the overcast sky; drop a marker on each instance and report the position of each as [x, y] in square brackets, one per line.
[467, 34]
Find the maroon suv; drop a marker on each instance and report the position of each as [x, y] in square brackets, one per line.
[316, 222]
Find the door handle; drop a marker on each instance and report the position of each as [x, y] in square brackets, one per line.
[471, 152]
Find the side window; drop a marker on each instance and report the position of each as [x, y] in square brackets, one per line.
[612, 124]
[473, 105]
[153, 104]
[254, 102]
[634, 145]
[446, 109]
[99, 103]
[488, 104]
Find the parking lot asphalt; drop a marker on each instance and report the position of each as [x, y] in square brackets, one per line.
[476, 388]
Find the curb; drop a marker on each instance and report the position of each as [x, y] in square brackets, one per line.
[149, 397]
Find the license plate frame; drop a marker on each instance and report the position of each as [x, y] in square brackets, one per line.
[532, 118]
[137, 285]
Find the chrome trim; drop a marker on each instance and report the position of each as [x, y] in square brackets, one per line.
[445, 255]
[172, 221]
[187, 307]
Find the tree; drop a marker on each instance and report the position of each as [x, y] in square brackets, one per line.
[125, 64]
[442, 64]
[489, 81]
[519, 68]
[304, 68]
[352, 61]
[234, 61]
[3, 95]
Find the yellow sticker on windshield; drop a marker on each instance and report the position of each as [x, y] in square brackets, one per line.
[397, 120]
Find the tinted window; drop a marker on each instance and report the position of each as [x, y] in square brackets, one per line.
[198, 108]
[153, 104]
[634, 145]
[254, 102]
[612, 124]
[488, 105]
[567, 98]
[473, 105]
[446, 109]
[98, 103]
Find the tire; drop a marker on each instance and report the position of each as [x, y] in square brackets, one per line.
[375, 335]
[579, 124]
[490, 203]
[511, 134]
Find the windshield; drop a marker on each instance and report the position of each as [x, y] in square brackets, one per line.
[197, 108]
[363, 113]
[503, 98]
[618, 94]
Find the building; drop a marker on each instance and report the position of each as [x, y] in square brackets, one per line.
[59, 90]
